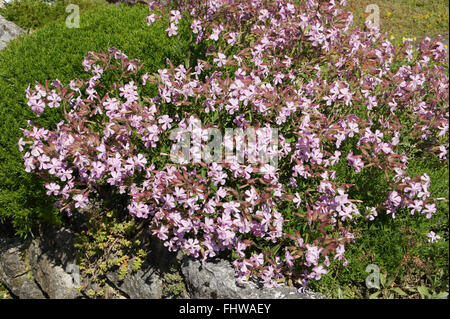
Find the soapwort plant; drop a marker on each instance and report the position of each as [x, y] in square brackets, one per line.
[336, 96]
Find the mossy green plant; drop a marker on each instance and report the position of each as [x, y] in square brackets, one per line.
[33, 14]
[4, 293]
[56, 52]
[174, 286]
[107, 243]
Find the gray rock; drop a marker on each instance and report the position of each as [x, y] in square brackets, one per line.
[30, 290]
[45, 267]
[142, 284]
[112, 293]
[49, 257]
[15, 273]
[216, 279]
[8, 31]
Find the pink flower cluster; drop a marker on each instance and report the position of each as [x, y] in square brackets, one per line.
[297, 67]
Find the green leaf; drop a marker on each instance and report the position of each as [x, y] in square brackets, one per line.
[339, 292]
[390, 282]
[374, 295]
[399, 291]
[423, 291]
[442, 295]
[383, 280]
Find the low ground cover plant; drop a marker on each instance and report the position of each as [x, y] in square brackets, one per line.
[413, 19]
[351, 111]
[33, 14]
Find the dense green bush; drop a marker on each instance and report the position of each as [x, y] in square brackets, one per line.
[56, 52]
[32, 14]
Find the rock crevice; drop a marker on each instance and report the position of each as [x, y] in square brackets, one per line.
[40, 268]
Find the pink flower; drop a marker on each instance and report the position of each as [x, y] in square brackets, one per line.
[97, 70]
[231, 207]
[221, 59]
[355, 161]
[21, 144]
[192, 245]
[430, 209]
[215, 34]
[129, 91]
[140, 161]
[161, 232]
[80, 201]
[221, 193]
[53, 166]
[345, 94]
[257, 259]
[232, 38]
[54, 100]
[416, 206]
[175, 16]
[312, 255]
[252, 196]
[395, 198]
[433, 237]
[371, 102]
[151, 18]
[297, 200]
[139, 209]
[165, 120]
[233, 105]
[172, 30]
[98, 168]
[372, 213]
[52, 189]
[145, 78]
[278, 77]
[65, 175]
[240, 247]
[196, 26]
[179, 193]
[268, 171]
[319, 271]
[443, 153]
[289, 258]
[340, 250]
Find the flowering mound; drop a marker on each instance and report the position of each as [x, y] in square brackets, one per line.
[322, 102]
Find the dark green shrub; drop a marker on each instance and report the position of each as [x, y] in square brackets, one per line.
[56, 52]
[32, 14]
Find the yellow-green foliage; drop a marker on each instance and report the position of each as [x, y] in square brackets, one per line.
[4, 294]
[406, 18]
[107, 242]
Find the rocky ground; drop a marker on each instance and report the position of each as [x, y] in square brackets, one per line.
[45, 268]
